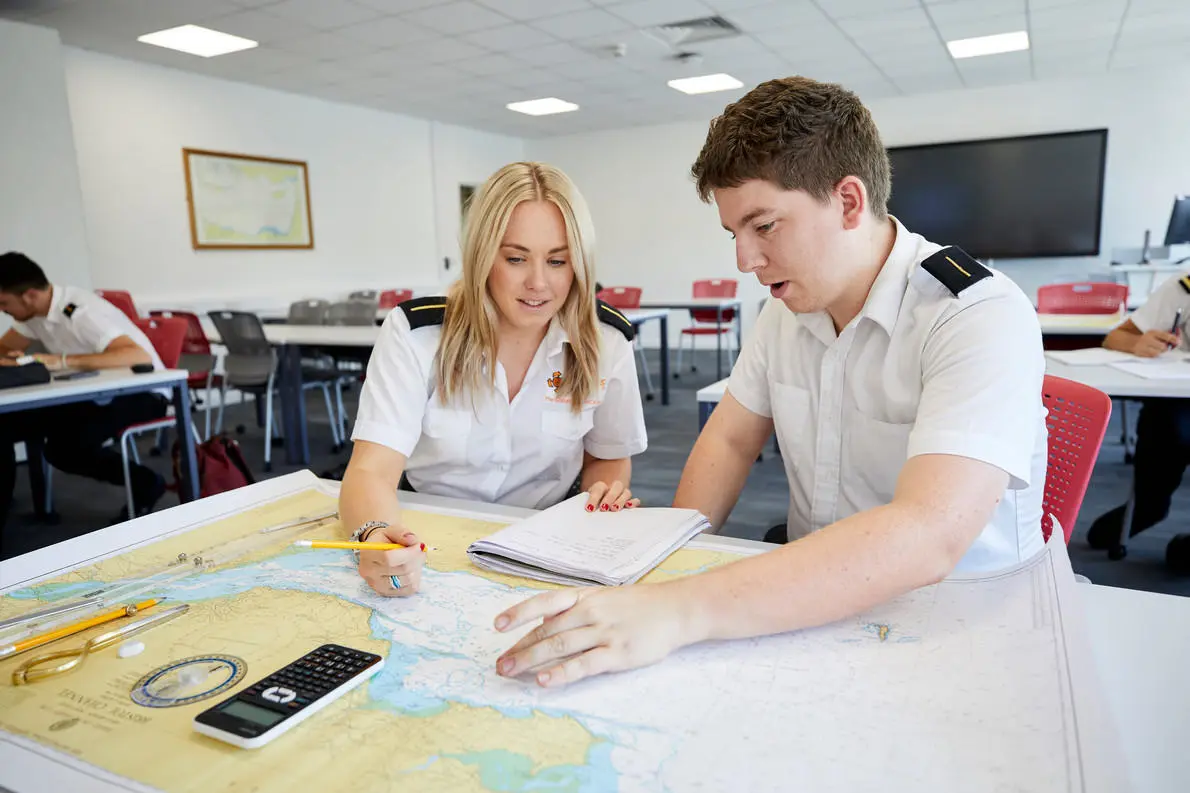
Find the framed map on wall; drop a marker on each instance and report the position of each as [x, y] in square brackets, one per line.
[238, 201]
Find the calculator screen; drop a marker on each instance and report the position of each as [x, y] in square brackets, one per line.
[252, 713]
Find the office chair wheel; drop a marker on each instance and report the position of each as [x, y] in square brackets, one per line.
[241, 429]
[1117, 553]
[648, 397]
[693, 368]
[268, 468]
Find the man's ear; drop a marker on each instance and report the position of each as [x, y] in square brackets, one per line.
[853, 196]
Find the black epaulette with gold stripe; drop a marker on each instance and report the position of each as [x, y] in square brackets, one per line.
[1185, 282]
[612, 316]
[955, 269]
[424, 311]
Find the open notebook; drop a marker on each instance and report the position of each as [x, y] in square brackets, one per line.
[565, 544]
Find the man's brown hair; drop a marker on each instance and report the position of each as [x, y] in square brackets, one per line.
[797, 133]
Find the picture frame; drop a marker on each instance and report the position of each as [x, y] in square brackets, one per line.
[247, 202]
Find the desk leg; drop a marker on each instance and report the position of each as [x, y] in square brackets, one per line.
[188, 489]
[665, 359]
[35, 462]
[293, 406]
[719, 342]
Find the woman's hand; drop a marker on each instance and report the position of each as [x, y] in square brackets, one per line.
[586, 632]
[383, 570]
[610, 498]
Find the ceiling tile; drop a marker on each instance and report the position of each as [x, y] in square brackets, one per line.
[461, 17]
[386, 32]
[644, 13]
[260, 26]
[507, 38]
[125, 18]
[785, 14]
[493, 63]
[1141, 7]
[818, 38]
[530, 10]
[842, 9]
[1089, 13]
[323, 14]
[324, 73]
[581, 24]
[396, 6]
[562, 52]
[1047, 37]
[324, 46]
[527, 78]
[929, 83]
[438, 50]
[889, 23]
[904, 40]
[256, 61]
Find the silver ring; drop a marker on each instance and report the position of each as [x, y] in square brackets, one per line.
[396, 582]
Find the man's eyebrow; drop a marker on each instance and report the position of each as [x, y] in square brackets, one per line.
[748, 218]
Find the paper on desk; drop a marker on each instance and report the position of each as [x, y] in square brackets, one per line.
[1095, 356]
[1174, 369]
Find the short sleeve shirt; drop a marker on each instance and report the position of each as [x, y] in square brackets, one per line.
[1161, 309]
[480, 446]
[918, 371]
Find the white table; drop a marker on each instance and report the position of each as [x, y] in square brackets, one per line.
[1128, 631]
[716, 304]
[104, 386]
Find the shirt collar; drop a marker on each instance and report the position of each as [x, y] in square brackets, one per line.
[883, 305]
[57, 302]
[555, 338]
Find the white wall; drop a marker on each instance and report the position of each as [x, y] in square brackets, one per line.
[41, 208]
[654, 233]
[463, 156]
[372, 179]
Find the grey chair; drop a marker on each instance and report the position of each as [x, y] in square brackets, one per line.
[365, 294]
[351, 312]
[308, 312]
[251, 367]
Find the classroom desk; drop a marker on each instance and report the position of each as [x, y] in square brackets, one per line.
[1119, 384]
[1076, 331]
[717, 304]
[1127, 630]
[103, 387]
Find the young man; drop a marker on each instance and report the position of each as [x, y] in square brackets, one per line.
[79, 330]
[1163, 429]
[903, 380]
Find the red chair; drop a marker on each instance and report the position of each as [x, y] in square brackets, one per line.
[1076, 418]
[1082, 298]
[620, 296]
[706, 321]
[391, 298]
[121, 300]
[197, 359]
[628, 297]
[167, 335]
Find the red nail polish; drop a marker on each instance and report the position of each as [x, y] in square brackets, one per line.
[590, 508]
[423, 547]
[603, 507]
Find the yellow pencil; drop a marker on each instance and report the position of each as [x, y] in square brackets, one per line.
[353, 546]
[77, 627]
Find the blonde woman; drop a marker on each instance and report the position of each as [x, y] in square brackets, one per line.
[517, 388]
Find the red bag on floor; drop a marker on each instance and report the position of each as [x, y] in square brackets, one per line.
[221, 466]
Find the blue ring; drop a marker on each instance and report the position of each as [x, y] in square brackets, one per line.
[396, 582]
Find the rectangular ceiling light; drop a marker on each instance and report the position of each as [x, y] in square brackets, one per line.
[705, 84]
[989, 45]
[542, 107]
[197, 40]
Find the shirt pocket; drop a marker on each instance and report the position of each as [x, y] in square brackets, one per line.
[445, 432]
[565, 426]
[874, 454]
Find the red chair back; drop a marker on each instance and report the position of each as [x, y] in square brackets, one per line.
[1082, 298]
[391, 298]
[1076, 418]
[714, 287]
[620, 296]
[194, 343]
[121, 300]
[167, 335]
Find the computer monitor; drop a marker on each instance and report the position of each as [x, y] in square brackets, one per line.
[1178, 232]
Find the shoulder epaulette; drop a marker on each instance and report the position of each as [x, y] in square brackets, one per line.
[955, 269]
[610, 316]
[424, 311]
[1185, 282]
[70, 309]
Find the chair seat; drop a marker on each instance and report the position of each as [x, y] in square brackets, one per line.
[711, 331]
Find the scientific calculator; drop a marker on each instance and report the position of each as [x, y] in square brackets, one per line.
[276, 704]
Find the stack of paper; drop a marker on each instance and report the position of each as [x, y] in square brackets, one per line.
[567, 545]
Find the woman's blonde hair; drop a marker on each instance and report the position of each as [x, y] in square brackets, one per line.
[468, 342]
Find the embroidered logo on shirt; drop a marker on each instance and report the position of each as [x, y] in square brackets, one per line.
[70, 309]
[555, 381]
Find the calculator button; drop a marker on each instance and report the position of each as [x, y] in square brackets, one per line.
[279, 694]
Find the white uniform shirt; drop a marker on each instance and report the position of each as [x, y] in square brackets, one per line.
[81, 322]
[1161, 308]
[918, 371]
[526, 453]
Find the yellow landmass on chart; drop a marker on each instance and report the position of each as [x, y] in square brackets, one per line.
[269, 604]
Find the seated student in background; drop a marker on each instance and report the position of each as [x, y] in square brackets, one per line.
[79, 330]
[517, 388]
[1163, 429]
[903, 380]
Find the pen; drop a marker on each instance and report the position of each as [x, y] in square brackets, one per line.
[78, 627]
[353, 546]
[1177, 322]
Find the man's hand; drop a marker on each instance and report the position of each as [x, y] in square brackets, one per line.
[587, 632]
[51, 362]
[1152, 343]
